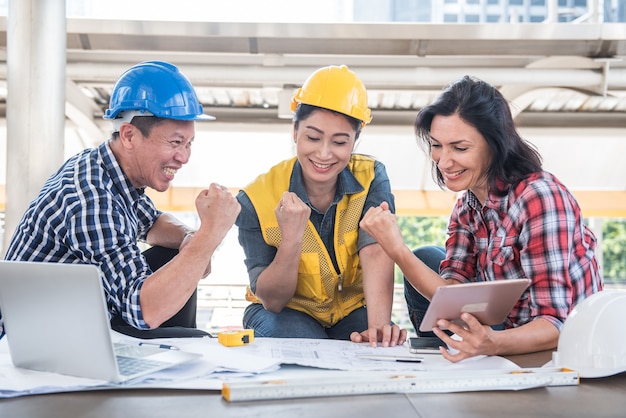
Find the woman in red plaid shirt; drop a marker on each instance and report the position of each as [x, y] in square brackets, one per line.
[513, 220]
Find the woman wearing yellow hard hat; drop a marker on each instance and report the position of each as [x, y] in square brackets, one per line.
[313, 272]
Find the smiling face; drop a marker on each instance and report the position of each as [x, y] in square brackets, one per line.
[324, 143]
[461, 154]
[153, 161]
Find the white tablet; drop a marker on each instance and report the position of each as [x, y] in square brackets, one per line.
[490, 302]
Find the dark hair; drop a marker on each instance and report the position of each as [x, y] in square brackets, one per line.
[303, 111]
[144, 124]
[481, 105]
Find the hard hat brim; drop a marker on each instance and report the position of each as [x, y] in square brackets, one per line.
[204, 117]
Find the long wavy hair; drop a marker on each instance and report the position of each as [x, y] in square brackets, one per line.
[481, 105]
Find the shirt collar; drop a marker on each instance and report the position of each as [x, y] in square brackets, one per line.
[346, 184]
[495, 201]
[118, 177]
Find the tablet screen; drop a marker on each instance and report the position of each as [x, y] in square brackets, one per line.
[490, 302]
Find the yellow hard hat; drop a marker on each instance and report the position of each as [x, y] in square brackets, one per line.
[335, 88]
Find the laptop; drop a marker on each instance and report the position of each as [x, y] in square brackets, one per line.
[489, 301]
[56, 320]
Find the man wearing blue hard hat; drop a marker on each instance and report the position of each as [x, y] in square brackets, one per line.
[93, 210]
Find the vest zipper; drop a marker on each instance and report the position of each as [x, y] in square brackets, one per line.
[340, 283]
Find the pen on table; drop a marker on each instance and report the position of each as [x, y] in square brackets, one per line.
[163, 346]
[399, 359]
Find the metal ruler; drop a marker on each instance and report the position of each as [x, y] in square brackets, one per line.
[390, 382]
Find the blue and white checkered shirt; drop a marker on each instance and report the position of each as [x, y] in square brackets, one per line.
[88, 212]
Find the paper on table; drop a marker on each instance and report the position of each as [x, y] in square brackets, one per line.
[24, 382]
[346, 355]
[216, 359]
[17, 382]
[220, 363]
[309, 358]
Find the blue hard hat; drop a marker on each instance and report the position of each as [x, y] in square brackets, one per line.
[156, 87]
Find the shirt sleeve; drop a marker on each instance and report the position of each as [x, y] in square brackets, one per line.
[380, 191]
[147, 215]
[258, 254]
[460, 262]
[103, 233]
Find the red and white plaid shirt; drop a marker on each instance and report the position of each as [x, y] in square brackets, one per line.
[535, 231]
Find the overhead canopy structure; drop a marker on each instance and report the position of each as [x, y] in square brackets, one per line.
[566, 84]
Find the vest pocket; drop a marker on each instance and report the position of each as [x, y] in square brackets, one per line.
[348, 258]
[309, 278]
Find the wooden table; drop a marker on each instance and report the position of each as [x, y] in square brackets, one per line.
[605, 397]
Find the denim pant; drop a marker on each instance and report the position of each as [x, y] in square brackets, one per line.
[416, 303]
[290, 323]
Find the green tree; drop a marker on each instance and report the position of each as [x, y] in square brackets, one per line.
[419, 231]
[614, 251]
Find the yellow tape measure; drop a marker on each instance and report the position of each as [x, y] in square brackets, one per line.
[235, 338]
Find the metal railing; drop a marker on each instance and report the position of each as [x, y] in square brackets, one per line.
[221, 306]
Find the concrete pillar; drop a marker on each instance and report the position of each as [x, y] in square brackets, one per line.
[36, 61]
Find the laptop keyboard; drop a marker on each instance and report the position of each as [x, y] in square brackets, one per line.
[129, 366]
[131, 359]
[136, 351]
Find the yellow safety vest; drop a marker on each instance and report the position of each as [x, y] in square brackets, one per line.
[321, 292]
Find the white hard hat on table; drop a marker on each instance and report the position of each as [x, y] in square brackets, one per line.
[593, 338]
